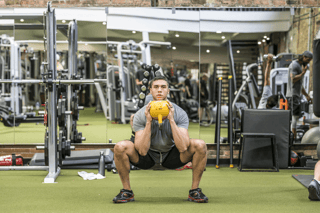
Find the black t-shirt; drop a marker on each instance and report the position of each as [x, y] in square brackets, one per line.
[204, 96]
[187, 83]
[140, 75]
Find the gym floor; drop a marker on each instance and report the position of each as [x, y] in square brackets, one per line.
[228, 190]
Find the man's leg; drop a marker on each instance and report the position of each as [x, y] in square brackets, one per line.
[294, 125]
[200, 113]
[314, 186]
[317, 171]
[123, 151]
[197, 152]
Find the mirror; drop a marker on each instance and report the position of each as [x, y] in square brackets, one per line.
[78, 104]
[168, 37]
[233, 39]
[7, 129]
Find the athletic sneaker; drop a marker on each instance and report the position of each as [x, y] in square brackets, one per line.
[124, 196]
[196, 195]
[314, 190]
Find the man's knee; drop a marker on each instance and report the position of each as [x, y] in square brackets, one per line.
[122, 146]
[199, 145]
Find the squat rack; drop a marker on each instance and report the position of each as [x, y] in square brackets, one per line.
[51, 82]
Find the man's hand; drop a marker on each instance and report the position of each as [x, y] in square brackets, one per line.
[309, 99]
[270, 58]
[147, 113]
[304, 69]
[171, 112]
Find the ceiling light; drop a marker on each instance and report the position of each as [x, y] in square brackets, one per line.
[208, 51]
[174, 48]
[238, 51]
[265, 36]
[223, 37]
[133, 32]
[177, 35]
[263, 40]
[22, 20]
[259, 42]
[219, 32]
[268, 38]
[63, 21]
[104, 23]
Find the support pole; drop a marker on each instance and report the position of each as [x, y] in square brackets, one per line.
[218, 121]
[230, 118]
[51, 28]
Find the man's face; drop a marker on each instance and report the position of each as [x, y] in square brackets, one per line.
[159, 90]
[306, 60]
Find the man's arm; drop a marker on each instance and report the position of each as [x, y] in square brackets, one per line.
[138, 82]
[180, 135]
[142, 137]
[298, 77]
[267, 71]
[306, 94]
[187, 88]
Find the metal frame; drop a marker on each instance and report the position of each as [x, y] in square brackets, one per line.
[250, 86]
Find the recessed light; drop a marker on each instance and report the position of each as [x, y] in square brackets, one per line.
[223, 37]
[104, 23]
[238, 51]
[174, 48]
[177, 35]
[63, 21]
[219, 32]
[22, 20]
[208, 51]
[133, 32]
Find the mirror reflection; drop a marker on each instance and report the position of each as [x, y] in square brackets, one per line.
[7, 57]
[79, 51]
[163, 42]
[233, 42]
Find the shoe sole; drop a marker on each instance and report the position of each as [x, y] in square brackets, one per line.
[313, 194]
[124, 201]
[198, 201]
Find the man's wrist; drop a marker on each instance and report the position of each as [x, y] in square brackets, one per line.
[171, 120]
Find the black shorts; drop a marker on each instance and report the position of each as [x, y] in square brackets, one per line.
[294, 106]
[171, 161]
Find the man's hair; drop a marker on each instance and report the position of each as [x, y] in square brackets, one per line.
[158, 78]
[272, 101]
[307, 54]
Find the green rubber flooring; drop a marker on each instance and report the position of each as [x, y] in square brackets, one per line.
[95, 128]
[228, 190]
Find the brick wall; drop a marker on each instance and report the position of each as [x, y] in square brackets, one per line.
[160, 3]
